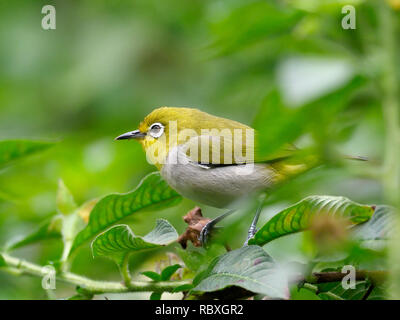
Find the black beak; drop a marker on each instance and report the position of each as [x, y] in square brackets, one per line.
[136, 134]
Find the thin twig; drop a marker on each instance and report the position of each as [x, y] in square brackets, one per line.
[93, 286]
[368, 292]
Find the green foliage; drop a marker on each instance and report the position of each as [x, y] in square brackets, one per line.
[152, 275]
[249, 267]
[65, 200]
[11, 150]
[290, 123]
[80, 297]
[48, 230]
[66, 224]
[380, 227]
[152, 194]
[240, 53]
[167, 273]
[2, 261]
[155, 296]
[299, 216]
[335, 291]
[196, 259]
[119, 241]
[72, 221]
[82, 294]
[252, 22]
[184, 287]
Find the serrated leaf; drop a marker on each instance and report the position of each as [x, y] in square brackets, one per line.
[380, 227]
[249, 267]
[11, 150]
[299, 216]
[152, 193]
[152, 275]
[169, 271]
[48, 230]
[65, 200]
[3, 262]
[118, 241]
[155, 296]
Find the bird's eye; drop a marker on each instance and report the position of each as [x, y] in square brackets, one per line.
[156, 130]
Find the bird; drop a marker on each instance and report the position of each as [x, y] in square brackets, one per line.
[212, 160]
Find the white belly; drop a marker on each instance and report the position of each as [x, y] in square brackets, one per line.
[218, 186]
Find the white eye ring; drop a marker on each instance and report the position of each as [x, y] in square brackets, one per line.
[156, 130]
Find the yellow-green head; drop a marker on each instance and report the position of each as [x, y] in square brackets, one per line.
[166, 127]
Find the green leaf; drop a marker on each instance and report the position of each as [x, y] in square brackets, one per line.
[184, 287]
[72, 221]
[118, 241]
[79, 296]
[152, 193]
[290, 123]
[299, 216]
[253, 22]
[65, 200]
[71, 225]
[196, 258]
[48, 230]
[155, 296]
[380, 227]
[286, 127]
[152, 275]
[82, 294]
[167, 273]
[249, 267]
[3, 262]
[335, 291]
[11, 150]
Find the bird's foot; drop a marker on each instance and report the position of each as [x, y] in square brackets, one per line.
[205, 234]
[250, 234]
[210, 226]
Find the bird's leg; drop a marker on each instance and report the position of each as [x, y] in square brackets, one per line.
[205, 232]
[253, 227]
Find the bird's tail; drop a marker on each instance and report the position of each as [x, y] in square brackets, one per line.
[357, 158]
[290, 169]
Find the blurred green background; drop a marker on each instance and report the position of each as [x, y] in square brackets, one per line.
[109, 63]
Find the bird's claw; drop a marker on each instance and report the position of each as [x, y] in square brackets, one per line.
[204, 234]
[250, 234]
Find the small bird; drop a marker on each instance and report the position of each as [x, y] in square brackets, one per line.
[210, 159]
